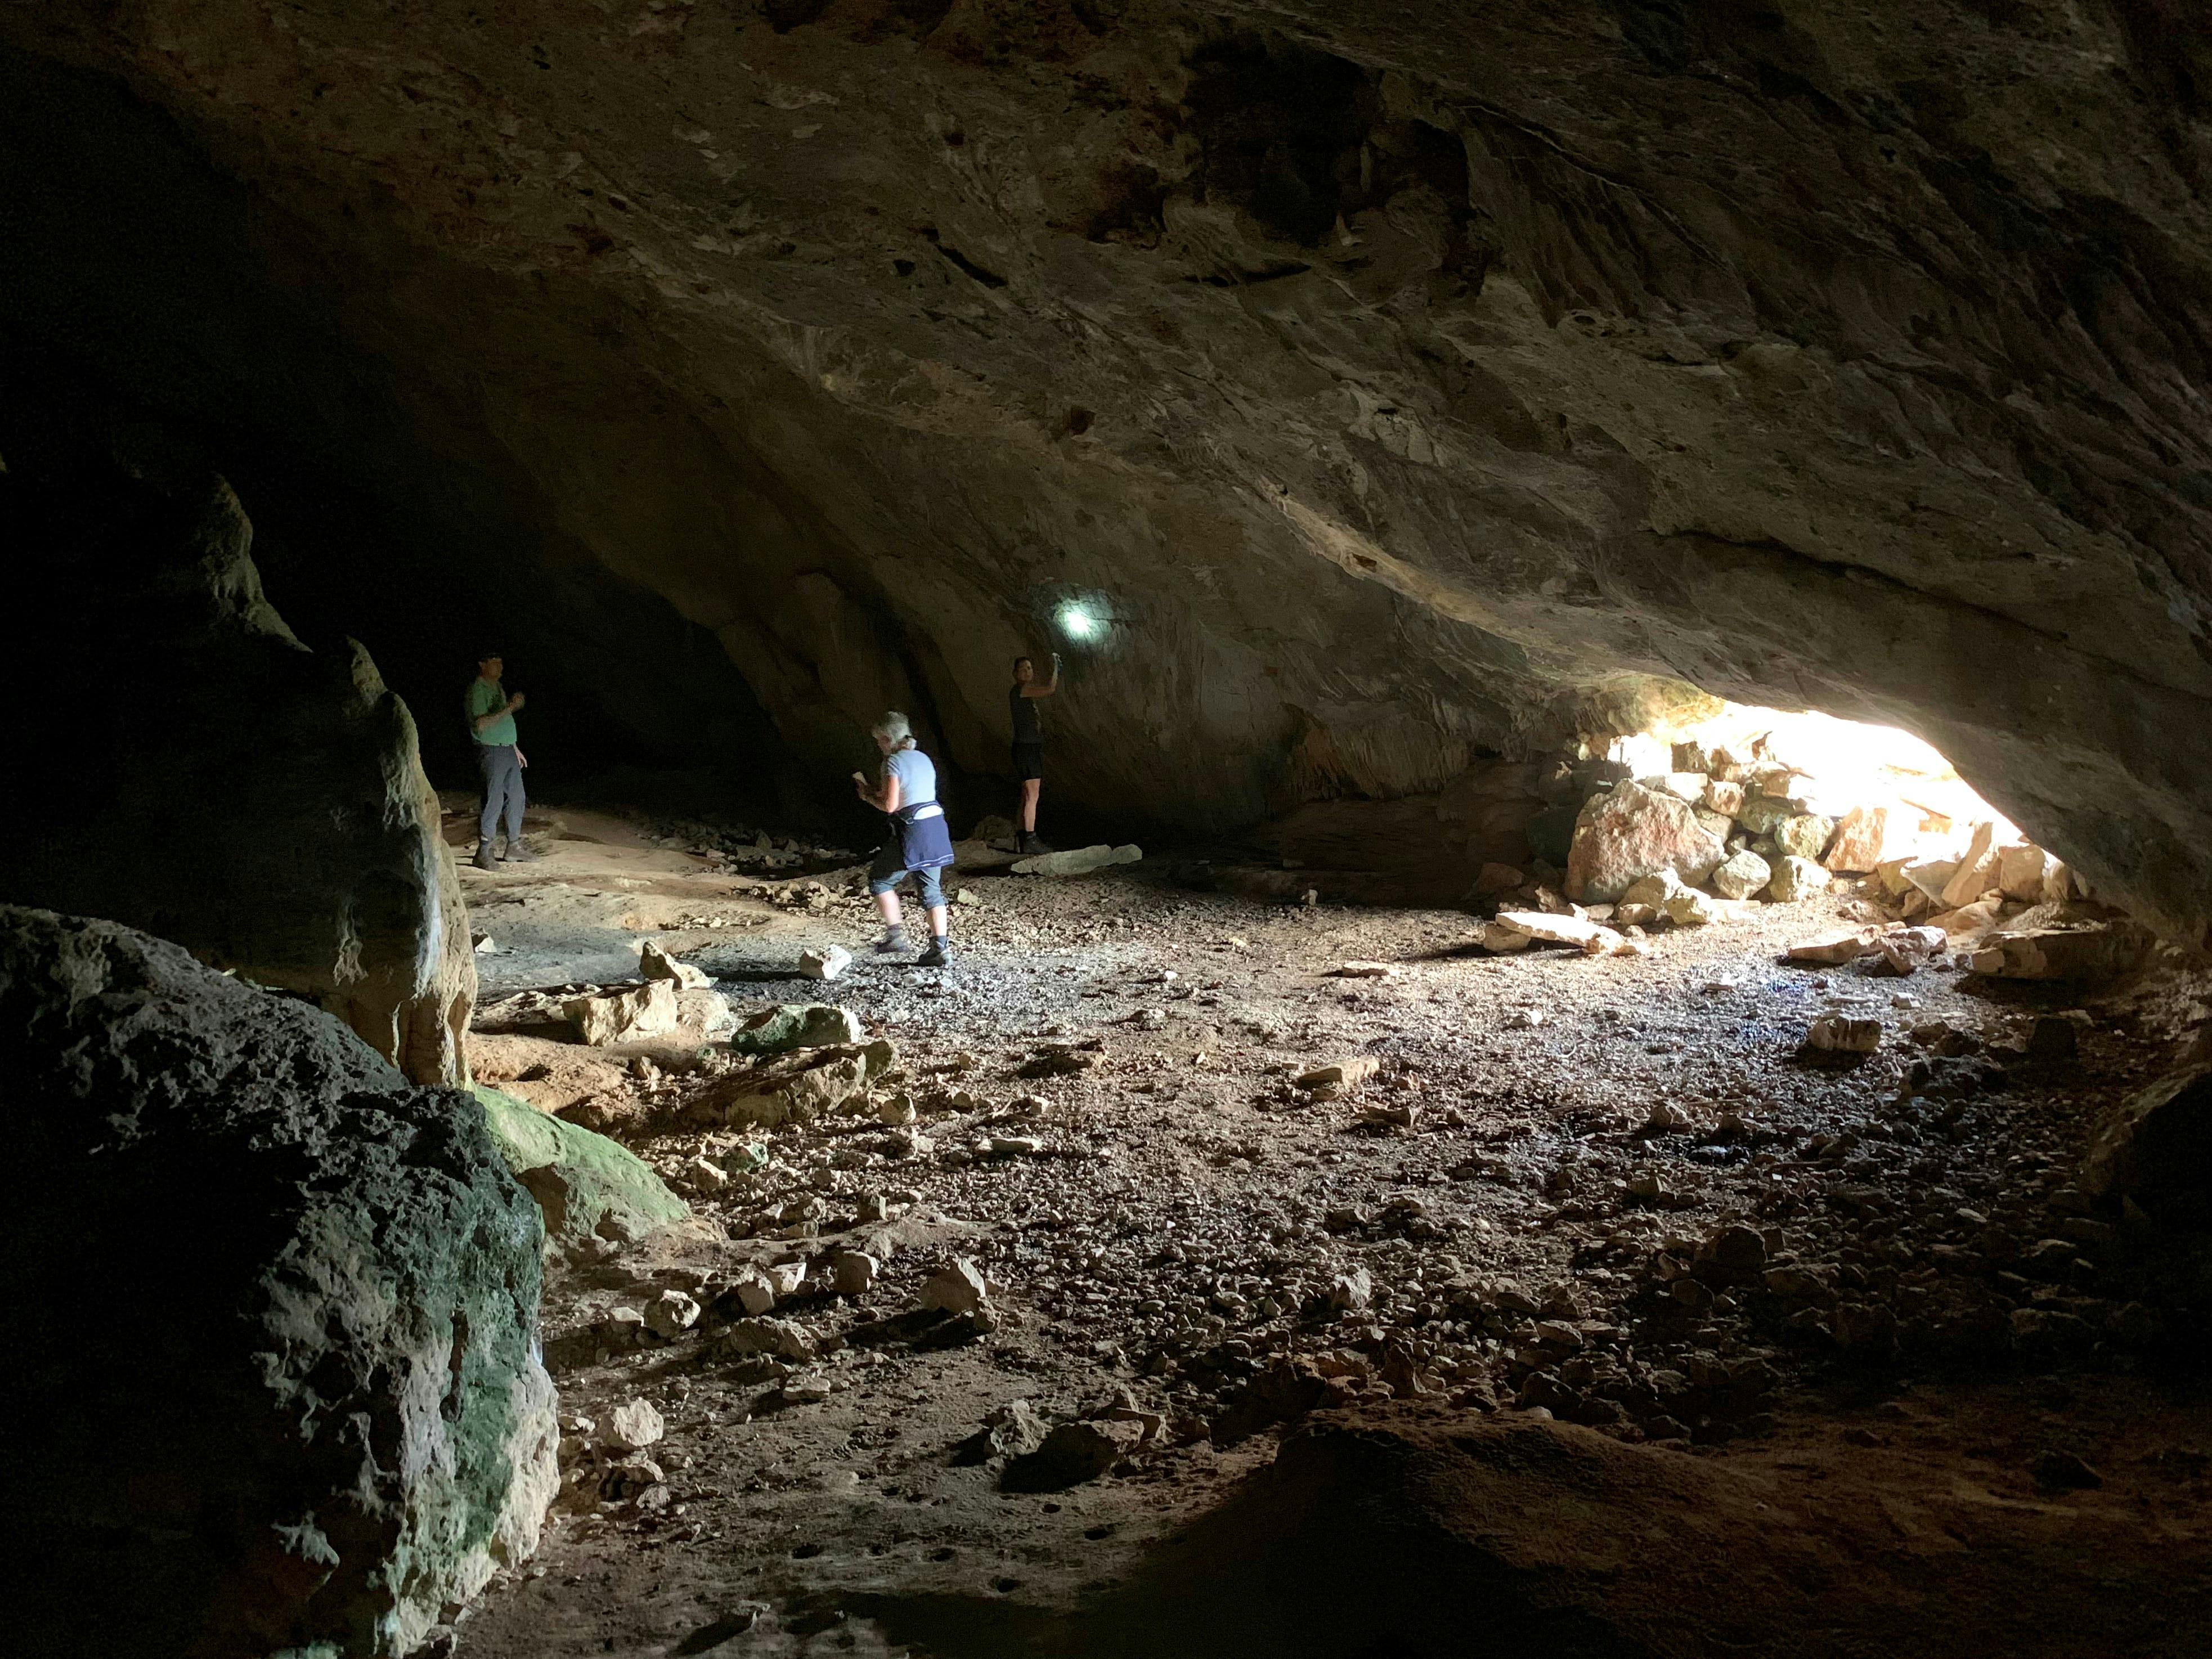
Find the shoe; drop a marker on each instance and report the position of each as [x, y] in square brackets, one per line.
[1029, 841]
[940, 955]
[483, 858]
[517, 854]
[893, 943]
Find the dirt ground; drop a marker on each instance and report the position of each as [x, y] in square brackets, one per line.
[1856, 1319]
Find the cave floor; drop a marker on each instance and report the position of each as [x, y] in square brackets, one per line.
[1910, 1395]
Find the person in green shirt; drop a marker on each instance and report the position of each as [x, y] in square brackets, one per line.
[491, 709]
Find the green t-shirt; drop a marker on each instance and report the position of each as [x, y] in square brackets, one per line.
[484, 696]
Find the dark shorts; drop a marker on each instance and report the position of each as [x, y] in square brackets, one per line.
[1029, 761]
[890, 869]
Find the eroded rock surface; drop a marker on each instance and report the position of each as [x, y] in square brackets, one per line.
[184, 764]
[295, 1403]
[1406, 386]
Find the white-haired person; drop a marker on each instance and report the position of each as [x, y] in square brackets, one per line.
[921, 844]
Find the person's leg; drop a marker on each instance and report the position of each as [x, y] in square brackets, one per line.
[940, 919]
[1031, 786]
[515, 800]
[487, 819]
[884, 878]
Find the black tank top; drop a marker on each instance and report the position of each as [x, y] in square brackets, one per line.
[1024, 712]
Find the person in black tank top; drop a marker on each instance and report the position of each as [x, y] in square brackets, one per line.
[1029, 746]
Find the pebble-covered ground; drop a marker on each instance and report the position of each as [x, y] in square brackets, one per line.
[1610, 1189]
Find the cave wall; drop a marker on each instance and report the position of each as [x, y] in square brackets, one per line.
[1445, 380]
[182, 762]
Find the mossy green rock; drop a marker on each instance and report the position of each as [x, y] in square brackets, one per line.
[587, 1185]
[297, 1407]
[790, 1025]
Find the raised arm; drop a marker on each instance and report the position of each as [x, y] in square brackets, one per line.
[1045, 688]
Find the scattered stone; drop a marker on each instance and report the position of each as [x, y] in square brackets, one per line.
[1362, 970]
[1722, 797]
[645, 1011]
[1977, 872]
[796, 1025]
[967, 896]
[705, 1176]
[1866, 838]
[855, 1272]
[804, 1391]
[1013, 1429]
[671, 1314]
[1841, 1034]
[654, 962]
[1691, 909]
[484, 943]
[1072, 1454]
[895, 1109]
[2062, 1471]
[1346, 1073]
[1794, 878]
[755, 1292]
[1499, 937]
[827, 962]
[959, 1288]
[1524, 1019]
[1080, 861]
[1592, 937]
[1803, 836]
[1351, 1293]
[1909, 949]
[634, 1426]
[1742, 875]
[1833, 949]
[779, 1337]
[2095, 950]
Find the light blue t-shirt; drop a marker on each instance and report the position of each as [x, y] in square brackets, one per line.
[916, 774]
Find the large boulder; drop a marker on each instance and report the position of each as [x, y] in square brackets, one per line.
[189, 767]
[1630, 832]
[277, 1387]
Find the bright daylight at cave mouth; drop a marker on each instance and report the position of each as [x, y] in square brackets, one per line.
[1108, 827]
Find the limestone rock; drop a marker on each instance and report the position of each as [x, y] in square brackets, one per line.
[1841, 1034]
[649, 1010]
[1630, 832]
[587, 1186]
[1868, 837]
[1803, 836]
[825, 963]
[1013, 1429]
[1348, 1072]
[1079, 861]
[1691, 908]
[671, 1314]
[1074, 1453]
[2157, 1149]
[959, 1288]
[797, 1025]
[1722, 797]
[654, 962]
[1977, 872]
[2024, 872]
[802, 1085]
[1833, 949]
[633, 1426]
[1795, 877]
[312, 1246]
[260, 803]
[855, 1272]
[1593, 937]
[1742, 875]
[2091, 951]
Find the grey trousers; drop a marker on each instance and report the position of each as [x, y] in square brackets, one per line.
[502, 792]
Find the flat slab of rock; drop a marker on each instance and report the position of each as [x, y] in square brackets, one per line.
[2091, 952]
[807, 1084]
[1593, 937]
[790, 1025]
[825, 963]
[1078, 861]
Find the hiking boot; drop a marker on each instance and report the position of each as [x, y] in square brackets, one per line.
[939, 954]
[1028, 841]
[517, 854]
[483, 858]
[893, 943]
